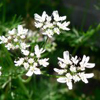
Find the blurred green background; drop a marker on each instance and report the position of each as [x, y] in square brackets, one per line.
[83, 38]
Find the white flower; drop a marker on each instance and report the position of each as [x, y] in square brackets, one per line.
[57, 17]
[15, 40]
[72, 68]
[26, 65]
[31, 54]
[75, 60]
[56, 30]
[33, 69]
[9, 37]
[3, 39]
[38, 51]
[19, 62]
[84, 76]
[24, 45]
[76, 78]
[61, 64]
[30, 60]
[25, 52]
[66, 59]
[38, 25]
[21, 30]
[49, 33]
[44, 62]
[63, 25]
[84, 63]
[9, 46]
[67, 80]
[12, 32]
[40, 18]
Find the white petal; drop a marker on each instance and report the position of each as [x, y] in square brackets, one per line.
[66, 55]
[37, 71]
[44, 16]
[87, 59]
[90, 65]
[60, 71]
[38, 18]
[69, 84]
[62, 80]
[63, 18]
[20, 29]
[44, 62]
[29, 73]
[62, 60]
[90, 75]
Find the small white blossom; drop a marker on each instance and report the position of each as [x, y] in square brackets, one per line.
[38, 51]
[75, 60]
[26, 65]
[84, 76]
[25, 52]
[33, 69]
[3, 39]
[66, 59]
[72, 68]
[76, 78]
[44, 62]
[32, 54]
[57, 17]
[24, 45]
[9, 46]
[56, 30]
[30, 60]
[63, 25]
[40, 18]
[67, 80]
[19, 62]
[84, 63]
[12, 32]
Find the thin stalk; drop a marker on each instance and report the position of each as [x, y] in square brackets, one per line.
[25, 80]
[23, 87]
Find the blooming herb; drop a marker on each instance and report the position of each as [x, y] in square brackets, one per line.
[73, 69]
[49, 25]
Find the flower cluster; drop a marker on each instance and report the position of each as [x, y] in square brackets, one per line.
[49, 25]
[73, 68]
[32, 61]
[15, 38]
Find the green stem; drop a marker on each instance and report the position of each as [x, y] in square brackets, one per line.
[25, 80]
[48, 75]
[23, 87]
